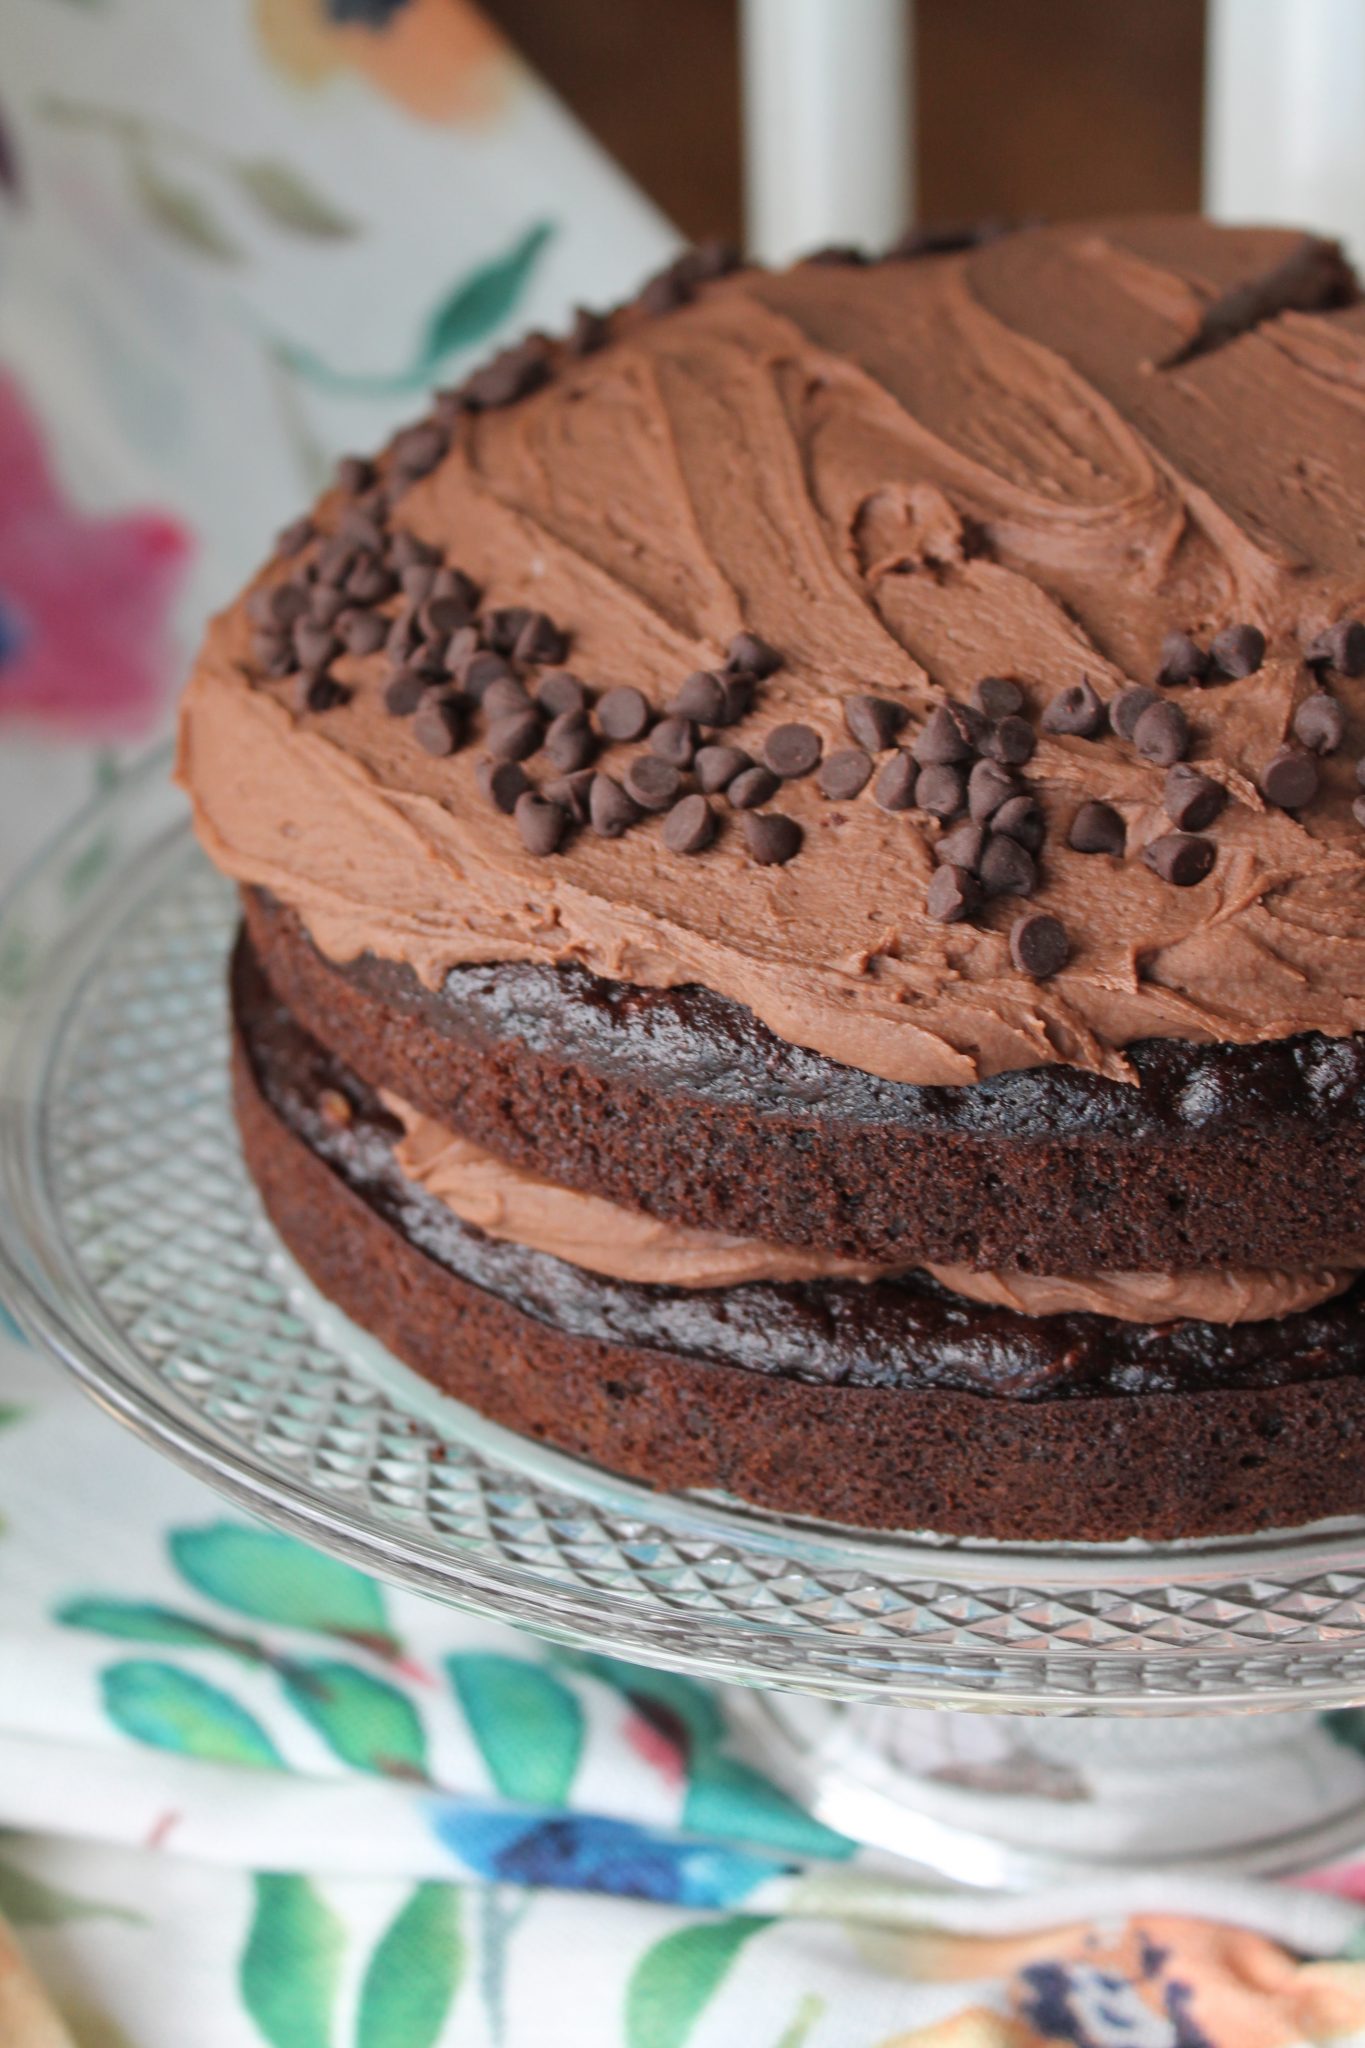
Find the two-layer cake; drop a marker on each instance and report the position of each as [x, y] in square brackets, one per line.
[804, 884]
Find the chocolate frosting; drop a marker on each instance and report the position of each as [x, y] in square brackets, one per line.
[1032, 459]
[517, 1206]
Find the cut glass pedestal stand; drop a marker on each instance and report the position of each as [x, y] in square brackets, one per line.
[993, 1715]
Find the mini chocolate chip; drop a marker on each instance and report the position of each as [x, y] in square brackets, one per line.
[942, 739]
[1162, 733]
[362, 632]
[610, 810]
[588, 333]
[953, 894]
[573, 792]
[1192, 800]
[439, 723]
[570, 741]
[702, 697]
[1238, 650]
[1038, 944]
[1341, 647]
[417, 450]
[1078, 711]
[772, 839]
[314, 645]
[1097, 828]
[623, 713]
[477, 671]
[360, 526]
[502, 625]
[1320, 723]
[540, 640]
[325, 604]
[663, 292]
[273, 654]
[512, 374]
[707, 260]
[1127, 708]
[750, 656]
[369, 582]
[894, 788]
[542, 824]
[989, 786]
[752, 787]
[717, 767]
[1021, 818]
[739, 699]
[792, 750]
[962, 847]
[1007, 868]
[406, 691]
[502, 782]
[1013, 741]
[653, 783]
[1182, 660]
[842, 775]
[516, 736]
[1289, 779]
[320, 693]
[506, 696]
[1360, 771]
[1180, 858]
[401, 637]
[1358, 809]
[354, 474]
[941, 790]
[998, 696]
[275, 606]
[290, 539]
[336, 559]
[690, 826]
[560, 691]
[439, 618]
[874, 721]
[407, 552]
[675, 740]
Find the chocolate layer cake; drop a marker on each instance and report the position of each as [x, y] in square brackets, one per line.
[803, 872]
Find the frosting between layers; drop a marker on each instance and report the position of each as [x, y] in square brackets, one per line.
[904, 477]
[518, 1207]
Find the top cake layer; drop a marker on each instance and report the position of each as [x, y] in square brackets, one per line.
[1033, 460]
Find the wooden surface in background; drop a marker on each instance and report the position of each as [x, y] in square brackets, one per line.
[1058, 107]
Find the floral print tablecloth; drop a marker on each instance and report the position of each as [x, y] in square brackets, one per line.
[246, 1795]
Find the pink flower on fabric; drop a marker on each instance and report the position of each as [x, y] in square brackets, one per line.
[85, 643]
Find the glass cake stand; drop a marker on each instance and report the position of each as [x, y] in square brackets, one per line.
[133, 1247]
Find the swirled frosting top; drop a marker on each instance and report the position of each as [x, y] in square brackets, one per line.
[1033, 459]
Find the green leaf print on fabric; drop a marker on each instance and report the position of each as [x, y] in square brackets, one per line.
[474, 308]
[287, 199]
[27, 1902]
[138, 1621]
[170, 1709]
[179, 211]
[414, 1974]
[273, 1578]
[727, 1798]
[366, 1722]
[527, 1723]
[9, 1414]
[291, 1965]
[675, 1980]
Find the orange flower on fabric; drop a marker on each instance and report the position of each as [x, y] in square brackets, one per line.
[437, 58]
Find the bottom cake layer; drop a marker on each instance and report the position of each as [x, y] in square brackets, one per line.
[956, 1438]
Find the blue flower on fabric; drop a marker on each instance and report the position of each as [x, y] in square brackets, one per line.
[12, 633]
[368, 13]
[584, 1852]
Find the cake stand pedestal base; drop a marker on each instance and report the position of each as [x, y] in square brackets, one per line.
[1013, 1800]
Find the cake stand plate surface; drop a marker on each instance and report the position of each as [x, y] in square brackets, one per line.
[133, 1246]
